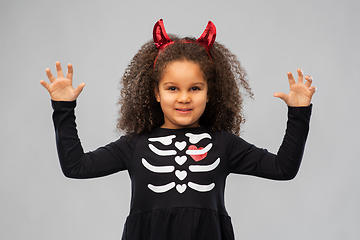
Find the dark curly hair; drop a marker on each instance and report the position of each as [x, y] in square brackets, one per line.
[224, 74]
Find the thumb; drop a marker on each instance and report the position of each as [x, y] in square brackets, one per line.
[45, 84]
[280, 95]
[79, 89]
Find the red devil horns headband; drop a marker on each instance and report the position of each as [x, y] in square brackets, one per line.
[162, 40]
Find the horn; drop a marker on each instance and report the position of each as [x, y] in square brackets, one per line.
[160, 36]
[207, 39]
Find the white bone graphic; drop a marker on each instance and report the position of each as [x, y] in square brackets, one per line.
[180, 145]
[180, 160]
[167, 140]
[156, 169]
[204, 168]
[181, 174]
[161, 152]
[195, 138]
[199, 152]
[181, 188]
[201, 188]
[161, 189]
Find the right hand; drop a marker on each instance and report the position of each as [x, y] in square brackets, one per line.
[61, 88]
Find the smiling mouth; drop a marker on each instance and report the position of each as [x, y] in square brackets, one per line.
[183, 110]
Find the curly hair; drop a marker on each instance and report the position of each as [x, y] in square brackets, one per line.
[224, 74]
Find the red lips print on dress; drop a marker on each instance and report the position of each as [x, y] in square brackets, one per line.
[197, 158]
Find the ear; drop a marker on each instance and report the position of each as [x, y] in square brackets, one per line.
[157, 95]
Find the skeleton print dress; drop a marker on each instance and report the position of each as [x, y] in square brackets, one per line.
[178, 175]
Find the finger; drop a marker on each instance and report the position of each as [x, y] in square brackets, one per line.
[309, 80]
[70, 71]
[281, 95]
[50, 75]
[79, 89]
[59, 71]
[300, 76]
[312, 89]
[291, 78]
[45, 84]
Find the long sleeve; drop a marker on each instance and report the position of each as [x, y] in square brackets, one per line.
[245, 158]
[77, 164]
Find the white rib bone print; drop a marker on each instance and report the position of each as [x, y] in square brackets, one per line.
[197, 155]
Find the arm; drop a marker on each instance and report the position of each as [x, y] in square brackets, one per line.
[74, 162]
[248, 159]
[245, 158]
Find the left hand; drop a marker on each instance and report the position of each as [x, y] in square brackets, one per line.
[300, 93]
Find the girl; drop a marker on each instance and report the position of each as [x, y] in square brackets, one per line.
[181, 110]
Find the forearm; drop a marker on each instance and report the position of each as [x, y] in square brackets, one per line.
[292, 148]
[68, 144]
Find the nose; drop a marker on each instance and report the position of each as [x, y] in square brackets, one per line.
[184, 97]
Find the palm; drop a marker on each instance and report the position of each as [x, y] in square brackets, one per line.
[300, 92]
[61, 88]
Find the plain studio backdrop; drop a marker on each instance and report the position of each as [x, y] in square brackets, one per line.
[99, 38]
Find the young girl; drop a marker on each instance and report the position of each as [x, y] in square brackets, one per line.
[181, 109]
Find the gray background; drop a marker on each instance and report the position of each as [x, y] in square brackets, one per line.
[100, 37]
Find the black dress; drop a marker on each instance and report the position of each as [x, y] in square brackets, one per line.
[178, 175]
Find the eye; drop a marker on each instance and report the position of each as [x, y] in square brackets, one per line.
[172, 88]
[194, 89]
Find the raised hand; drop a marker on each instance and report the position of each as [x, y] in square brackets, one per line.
[61, 88]
[300, 93]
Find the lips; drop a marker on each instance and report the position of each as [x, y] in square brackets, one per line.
[183, 110]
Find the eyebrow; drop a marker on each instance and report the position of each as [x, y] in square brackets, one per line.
[172, 83]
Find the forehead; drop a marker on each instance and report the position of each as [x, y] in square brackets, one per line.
[182, 71]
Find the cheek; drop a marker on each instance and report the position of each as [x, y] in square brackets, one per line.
[201, 102]
[165, 99]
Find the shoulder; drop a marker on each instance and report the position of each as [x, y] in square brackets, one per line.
[228, 136]
[231, 141]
